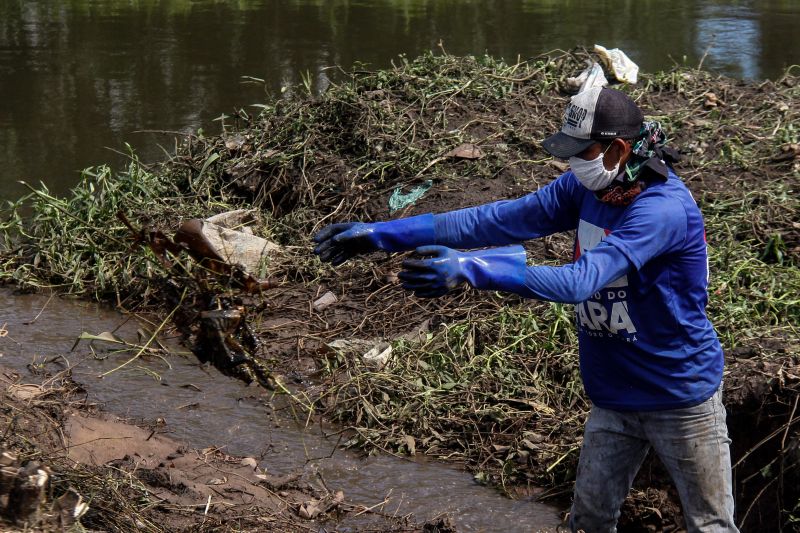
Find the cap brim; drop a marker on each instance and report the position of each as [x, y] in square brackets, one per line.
[564, 146]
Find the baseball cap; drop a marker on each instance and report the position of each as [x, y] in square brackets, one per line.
[596, 114]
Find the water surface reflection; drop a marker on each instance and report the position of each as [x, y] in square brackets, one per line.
[79, 76]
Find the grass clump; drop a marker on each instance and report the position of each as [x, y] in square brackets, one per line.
[76, 245]
[755, 280]
[491, 392]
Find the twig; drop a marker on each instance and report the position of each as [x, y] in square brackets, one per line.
[150, 340]
[29, 322]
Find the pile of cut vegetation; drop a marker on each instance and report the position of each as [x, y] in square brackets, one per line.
[486, 379]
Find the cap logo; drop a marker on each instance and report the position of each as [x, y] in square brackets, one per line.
[574, 116]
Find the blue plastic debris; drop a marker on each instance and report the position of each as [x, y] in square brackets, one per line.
[399, 200]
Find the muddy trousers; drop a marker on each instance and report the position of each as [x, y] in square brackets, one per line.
[692, 443]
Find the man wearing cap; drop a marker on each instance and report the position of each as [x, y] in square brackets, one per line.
[650, 360]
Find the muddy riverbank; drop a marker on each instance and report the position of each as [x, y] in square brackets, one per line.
[196, 406]
[135, 478]
[487, 381]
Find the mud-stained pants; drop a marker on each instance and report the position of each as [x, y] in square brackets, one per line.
[692, 443]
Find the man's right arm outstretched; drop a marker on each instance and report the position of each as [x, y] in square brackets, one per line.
[551, 209]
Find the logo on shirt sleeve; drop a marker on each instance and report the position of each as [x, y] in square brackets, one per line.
[605, 314]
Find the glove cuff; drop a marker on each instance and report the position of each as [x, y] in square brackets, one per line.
[405, 233]
[499, 269]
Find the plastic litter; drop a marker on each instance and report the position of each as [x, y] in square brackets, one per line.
[378, 356]
[325, 301]
[238, 219]
[223, 245]
[618, 63]
[399, 200]
[591, 76]
[374, 353]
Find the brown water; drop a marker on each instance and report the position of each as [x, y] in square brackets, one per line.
[217, 411]
[81, 75]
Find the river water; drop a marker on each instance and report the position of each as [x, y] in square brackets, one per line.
[81, 76]
[80, 79]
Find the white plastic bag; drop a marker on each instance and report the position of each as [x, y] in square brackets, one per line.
[618, 63]
[591, 76]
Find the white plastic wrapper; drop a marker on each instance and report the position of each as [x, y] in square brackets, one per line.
[618, 63]
[591, 76]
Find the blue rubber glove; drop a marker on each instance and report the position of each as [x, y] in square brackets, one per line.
[337, 243]
[500, 269]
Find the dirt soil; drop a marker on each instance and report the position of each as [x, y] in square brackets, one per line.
[135, 478]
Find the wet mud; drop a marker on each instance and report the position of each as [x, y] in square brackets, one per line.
[134, 478]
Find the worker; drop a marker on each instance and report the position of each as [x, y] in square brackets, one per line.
[650, 360]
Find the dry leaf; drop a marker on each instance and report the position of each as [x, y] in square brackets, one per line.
[313, 508]
[251, 462]
[712, 100]
[25, 391]
[411, 444]
[465, 151]
[309, 509]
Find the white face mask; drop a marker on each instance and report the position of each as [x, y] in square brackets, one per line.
[593, 174]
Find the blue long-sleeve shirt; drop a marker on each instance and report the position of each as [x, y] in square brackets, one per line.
[639, 282]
